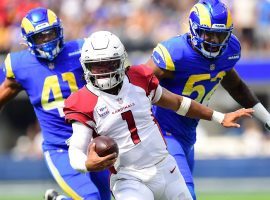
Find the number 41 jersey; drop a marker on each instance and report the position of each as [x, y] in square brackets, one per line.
[126, 117]
[195, 77]
[47, 84]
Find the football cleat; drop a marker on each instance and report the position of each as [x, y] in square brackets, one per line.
[51, 194]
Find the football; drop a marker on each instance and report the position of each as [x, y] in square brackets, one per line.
[105, 145]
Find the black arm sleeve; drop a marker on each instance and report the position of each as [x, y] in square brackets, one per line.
[238, 90]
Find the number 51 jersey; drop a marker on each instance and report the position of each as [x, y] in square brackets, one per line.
[126, 117]
[47, 84]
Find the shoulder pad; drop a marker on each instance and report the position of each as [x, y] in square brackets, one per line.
[168, 52]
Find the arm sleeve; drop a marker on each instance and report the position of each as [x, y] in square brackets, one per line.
[72, 110]
[157, 94]
[79, 142]
[154, 89]
[7, 67]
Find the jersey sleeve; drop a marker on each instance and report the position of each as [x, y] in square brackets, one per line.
[235, 50]
[162, 57]
[74, 111]
[7, 67]
[144, 77]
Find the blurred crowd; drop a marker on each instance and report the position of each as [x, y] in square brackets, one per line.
[139, 23]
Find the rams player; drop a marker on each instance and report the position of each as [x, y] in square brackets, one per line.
[49, 72]
[193, 65]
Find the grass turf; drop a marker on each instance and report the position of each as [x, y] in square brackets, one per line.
[200, 196]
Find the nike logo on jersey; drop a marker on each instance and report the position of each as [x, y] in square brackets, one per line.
[173, 170]
[233, 57]
[74, 53]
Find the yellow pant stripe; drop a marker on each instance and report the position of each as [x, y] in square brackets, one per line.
[61, 182]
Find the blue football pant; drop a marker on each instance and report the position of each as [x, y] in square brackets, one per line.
[88, 186]
[184, 159]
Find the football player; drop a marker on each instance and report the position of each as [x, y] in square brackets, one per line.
[116, 102]
[49, 71]
[193, 65]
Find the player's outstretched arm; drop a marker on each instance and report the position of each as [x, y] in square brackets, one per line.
[8, 90]
[187, 107]
[241, 93]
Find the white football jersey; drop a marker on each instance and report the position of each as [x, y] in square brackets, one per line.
[126, 117]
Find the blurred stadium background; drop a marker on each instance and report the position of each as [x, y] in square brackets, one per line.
[231, 163]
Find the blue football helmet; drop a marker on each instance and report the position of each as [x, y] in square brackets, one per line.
[43, 32]
[211, 26]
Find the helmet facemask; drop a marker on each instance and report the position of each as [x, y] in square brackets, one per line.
[43, 32]
[103, 58]
[211, 42]
[105, 74]
[47, 43]
[210, 27]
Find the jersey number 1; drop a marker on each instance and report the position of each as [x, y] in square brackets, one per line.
[128, 117]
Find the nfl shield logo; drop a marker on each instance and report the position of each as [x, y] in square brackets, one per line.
[119, 100]
[212, 67]
[51, 65]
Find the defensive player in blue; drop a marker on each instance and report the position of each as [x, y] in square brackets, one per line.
[193, 65]
[49, 71]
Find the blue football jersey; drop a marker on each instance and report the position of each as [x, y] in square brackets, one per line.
[48, 84]
[195, 77]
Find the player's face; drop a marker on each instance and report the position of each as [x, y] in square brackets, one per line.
[214, 38]
[103, 67]
[45, 36]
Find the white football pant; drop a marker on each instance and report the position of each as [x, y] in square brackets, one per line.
[160, 182]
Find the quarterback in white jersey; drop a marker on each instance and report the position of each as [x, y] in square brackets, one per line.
[117, 102]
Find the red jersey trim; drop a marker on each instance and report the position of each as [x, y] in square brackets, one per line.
[143, 77]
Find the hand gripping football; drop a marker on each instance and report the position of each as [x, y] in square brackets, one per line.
[105, 145]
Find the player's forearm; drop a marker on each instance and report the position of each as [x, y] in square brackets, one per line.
[6, 96]
[199, 111]
[192, 109]
[78, 146]
[242, 95]
[187, 107]
[8, 90]
[238, 90]
[77, 159]
[262, 114]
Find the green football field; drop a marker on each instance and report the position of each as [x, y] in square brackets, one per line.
[201, 196]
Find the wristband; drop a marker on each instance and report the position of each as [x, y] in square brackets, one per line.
[184, 107]
[218, 117]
